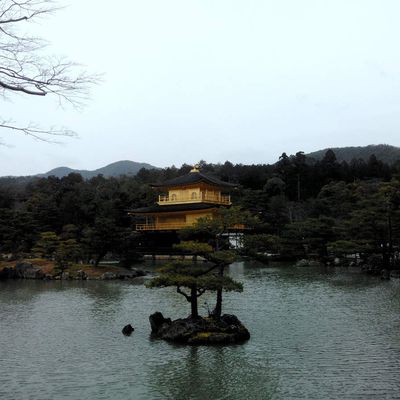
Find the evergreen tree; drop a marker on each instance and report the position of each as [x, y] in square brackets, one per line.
[217, 229]
[196, 277]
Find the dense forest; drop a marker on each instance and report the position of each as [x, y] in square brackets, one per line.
[305, 208]
[384, 152]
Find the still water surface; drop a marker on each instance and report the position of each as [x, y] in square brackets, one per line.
[316, 334]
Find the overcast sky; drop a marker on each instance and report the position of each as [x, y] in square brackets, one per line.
[216, 80]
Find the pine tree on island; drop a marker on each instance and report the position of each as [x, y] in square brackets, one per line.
[193, 279]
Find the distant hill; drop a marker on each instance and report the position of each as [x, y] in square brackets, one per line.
[384, 152]
[115, 169]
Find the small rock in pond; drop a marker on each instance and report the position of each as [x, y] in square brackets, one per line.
[81, 275]
[127, 330]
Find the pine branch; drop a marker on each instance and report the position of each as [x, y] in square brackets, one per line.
[178, 290]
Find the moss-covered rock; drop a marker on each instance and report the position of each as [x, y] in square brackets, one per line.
[226, 330]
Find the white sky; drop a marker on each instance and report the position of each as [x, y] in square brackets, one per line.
[216, 80]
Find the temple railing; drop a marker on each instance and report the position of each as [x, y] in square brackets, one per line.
[162, 226]
[171, 226]
[203, 197]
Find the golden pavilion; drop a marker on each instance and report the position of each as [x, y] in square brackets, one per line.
[185, 199]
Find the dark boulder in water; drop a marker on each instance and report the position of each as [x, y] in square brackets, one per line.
[128, 329]
[7, 273]
[157, 322]
[22, 270]
[226, 330]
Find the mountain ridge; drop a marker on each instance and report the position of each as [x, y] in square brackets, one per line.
[384, 152]
[118, 168]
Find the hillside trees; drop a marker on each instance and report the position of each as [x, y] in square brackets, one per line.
[366, 217]
[376, 220]
[93, 213]
[341, 208]
[46, 245]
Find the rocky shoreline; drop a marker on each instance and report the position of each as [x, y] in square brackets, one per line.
[200, 331]
[368, 268]
[26, 270]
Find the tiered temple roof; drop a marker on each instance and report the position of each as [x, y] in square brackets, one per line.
[192, 178]
[190, 197]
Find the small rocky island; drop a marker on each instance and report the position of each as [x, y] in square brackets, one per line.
[199, 331]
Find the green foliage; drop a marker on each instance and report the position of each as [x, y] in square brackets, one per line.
[186, 268]
[261, 243]
[101, 238]
[63, 251]
[200, 277]
[345, 247]
[184, 274]
[384, 152]
[70, 249]
[46, 245]
[197, 278]
[275, 186]
[221, 257]
[306, 205]
[67, 251]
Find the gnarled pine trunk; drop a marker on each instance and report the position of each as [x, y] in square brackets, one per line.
[218, 305]
[193, 302]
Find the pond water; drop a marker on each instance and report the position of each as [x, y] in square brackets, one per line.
[316, 334]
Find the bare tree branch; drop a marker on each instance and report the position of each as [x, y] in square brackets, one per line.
[43, 135]
[26, 70]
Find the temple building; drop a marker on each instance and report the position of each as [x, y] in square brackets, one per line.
[185, 199]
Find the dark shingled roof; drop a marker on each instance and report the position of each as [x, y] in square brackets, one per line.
[192, 178]
[173, 208]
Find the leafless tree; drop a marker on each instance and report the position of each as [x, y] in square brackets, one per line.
[26, 70]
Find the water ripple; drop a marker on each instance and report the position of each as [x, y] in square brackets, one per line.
[316, 334]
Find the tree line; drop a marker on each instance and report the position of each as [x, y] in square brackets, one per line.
[305, 208]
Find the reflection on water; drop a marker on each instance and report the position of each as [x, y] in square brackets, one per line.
[220, 373]
[316, 334]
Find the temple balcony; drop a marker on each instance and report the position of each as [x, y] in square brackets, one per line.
[173, 226]
[202, 197]
[162, 226]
